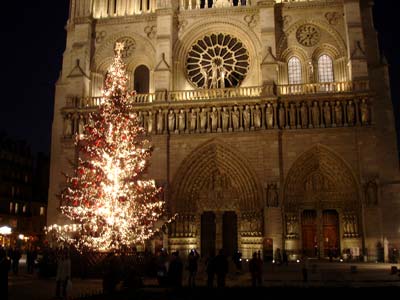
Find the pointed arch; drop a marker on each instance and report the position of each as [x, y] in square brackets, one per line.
[195, 181]
[320, 177]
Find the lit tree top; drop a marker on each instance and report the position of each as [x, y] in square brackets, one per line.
[110, 205]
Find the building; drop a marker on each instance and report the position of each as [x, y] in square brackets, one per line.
[272, 120]
[21, 211]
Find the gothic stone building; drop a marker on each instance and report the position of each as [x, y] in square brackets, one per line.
[271, 121]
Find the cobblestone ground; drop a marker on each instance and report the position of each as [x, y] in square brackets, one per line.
[321, 275]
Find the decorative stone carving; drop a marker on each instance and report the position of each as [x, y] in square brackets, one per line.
[371, 193]
[100, 36]
[81, 124]
[160, 121]
[272, 196]
[327, 114]
[315, 114]
[129, 46]
[257, 117]
[225, 119]
[308, 35]
[304, 115]
[251, 20]
[171, 121]
[203, 120]
[150, 31]
[338, 114]
[286, 20]
[214, 119]
[292, 115]
[150, 122]
[350, 225]
[251, 224]
[217, 61]
[364, 112]
[235, 118]
[292, 226]
[333, 18]
[68, 125]
[181, 121]
[246, 117]
[182, 25]
[350, 113]
[282, 116]
[193, 120]
[270, 116]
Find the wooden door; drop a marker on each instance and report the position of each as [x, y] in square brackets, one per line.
[309, 233]
[330, 226]
[208, 231]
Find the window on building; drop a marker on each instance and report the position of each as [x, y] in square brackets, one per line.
[325, 69]
[294, 70]
[24, 208]
[16, 208]
[11, 207]
[42, 210]
[142, 79]
[26, 178]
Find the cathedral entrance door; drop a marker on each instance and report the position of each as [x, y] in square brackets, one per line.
[309, 233]
[331, 233]
[208, 233]
[229, 232]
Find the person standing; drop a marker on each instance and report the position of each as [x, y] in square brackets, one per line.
[175, 270]
[255, 268]
[192, 267]
[221, 268]
[210, 269]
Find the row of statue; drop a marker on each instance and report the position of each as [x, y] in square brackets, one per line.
[288, 115]
[350, 226]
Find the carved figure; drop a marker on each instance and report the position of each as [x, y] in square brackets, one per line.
[371, 193]
[68, 126]
[81, 124]
[171, 121]
[292, 115]
[327, 114]
[246, 117]
[364, 112]
[282, 117]
[235, 118]
[214, 119]
[315, 114]
[193, 120]
[225, 119]
[203, 119]
[214, 75]
[273, 198]
[150, 122]
[181, 120]
[257, 117]
[160, 121]
[304, 115]
[338, 114]
[270, 115]
[205, 75]
[350, 113]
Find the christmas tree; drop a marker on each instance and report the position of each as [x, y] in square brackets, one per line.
[108, 204]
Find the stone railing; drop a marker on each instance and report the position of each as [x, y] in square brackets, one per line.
[249, 114]
[324, 87]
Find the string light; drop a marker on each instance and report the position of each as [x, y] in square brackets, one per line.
[110, 206]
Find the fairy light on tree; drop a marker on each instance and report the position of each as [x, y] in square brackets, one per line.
[109, 204]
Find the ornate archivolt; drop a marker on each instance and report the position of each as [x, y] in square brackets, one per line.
[319, 178]
[296, 32]
[215, 178]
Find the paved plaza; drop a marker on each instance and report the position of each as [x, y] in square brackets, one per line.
[322, 274]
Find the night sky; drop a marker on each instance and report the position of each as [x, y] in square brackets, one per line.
[33, 41]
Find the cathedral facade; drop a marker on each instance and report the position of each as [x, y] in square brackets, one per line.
[271, 120]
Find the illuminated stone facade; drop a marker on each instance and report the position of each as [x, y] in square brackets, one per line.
[272, 120]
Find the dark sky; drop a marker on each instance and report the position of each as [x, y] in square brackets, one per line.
[33, 38]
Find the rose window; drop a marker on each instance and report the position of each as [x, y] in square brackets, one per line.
[217, 61]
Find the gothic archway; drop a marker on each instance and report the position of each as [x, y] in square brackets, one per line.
[214, 177]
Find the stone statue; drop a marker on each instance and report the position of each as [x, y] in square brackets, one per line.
[214, 75]
[327, 114]
[160, 121]
[235, 118]
[350, 113]
[315, 114]
[246, 117]
[205, 76]
[304, 115]
[291, 226]
[203, 120]
[282, 117]
[257, 117]
[347, 225]
[193, 120]
[81, 124]
[292, 115]
[270, 115]
[338, 114]
[150, 122]
[181, 121]
[310, 72]
[225, 119]
[371, 193]
[140, 119]
[171, 121]
[68, 126]
[364, 112]
[273, 198]
[214, 119]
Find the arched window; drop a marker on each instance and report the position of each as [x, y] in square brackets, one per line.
[141, 82]
[294, 70]
[325, 69]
